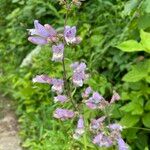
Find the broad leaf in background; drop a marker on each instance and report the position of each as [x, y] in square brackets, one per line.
[130, 46]
[138, 72]
[145, 40]
[146, 6]
[129, 120]
[133, 46]
[146, 120]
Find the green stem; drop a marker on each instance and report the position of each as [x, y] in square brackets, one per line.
[106, 112]
[66, 84]
[147, 129]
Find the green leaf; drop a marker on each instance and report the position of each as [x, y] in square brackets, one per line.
[133, 76]
[138, 109]
[147, 106]
[142, 141]
[130, 46]
[129, 120]
[129, 7]
[145, 40]
[148, 79]
[146, 6]
[134, 108]
[144, 21]
[146, 119]
[138, 72]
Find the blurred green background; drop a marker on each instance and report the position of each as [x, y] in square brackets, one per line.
[102, 24]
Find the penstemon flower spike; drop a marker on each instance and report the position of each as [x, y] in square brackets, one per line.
[105, 134]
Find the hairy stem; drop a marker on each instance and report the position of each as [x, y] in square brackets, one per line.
[66, 84]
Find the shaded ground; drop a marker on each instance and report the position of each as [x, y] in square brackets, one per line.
[9, 139]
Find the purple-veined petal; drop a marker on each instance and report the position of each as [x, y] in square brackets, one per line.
[37, 40]
[58, 51]
[41, 29]
[91, 105]
[69, 34]
[63, 114]
[97, 97]
[102, 140]
[42, 79]
[51, 30]
[115, 126]
[60, 98]
[58, 85]
[122, 145]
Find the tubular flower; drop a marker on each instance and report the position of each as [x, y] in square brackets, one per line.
[60, 98]
[42, 79]
[116, 127]
[70, 35]
[122, 145]
[87, 92]
[96, 101]
[41, 35]
[97, 123]
[115, 97]
[57, 85]
[58, 51]
[63, 114]
[80, 128]
[78, 73]
[102, 140]
[115, 131]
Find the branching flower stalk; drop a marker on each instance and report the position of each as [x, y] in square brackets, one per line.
[104, 133]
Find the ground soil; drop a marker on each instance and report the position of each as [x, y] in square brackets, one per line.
[9, 139]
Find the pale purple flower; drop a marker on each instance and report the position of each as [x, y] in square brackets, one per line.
[122, 145]
[80, 128]
[57, 85]
[78, 67]
[91, 105]
[41, 35]
[96, 101]
[102, 140]
[115, 97]
[78, 78]
[116, 127]
[97, 97]
[42, 79]
[63, 114]
[74, 65]
[60, 98]
[58, 51]
[78, 73]
[70, 35]
[97, 123]
[87, 92]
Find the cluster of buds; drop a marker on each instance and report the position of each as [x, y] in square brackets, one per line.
[94, 100]
[74, 2]
[107, 136]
